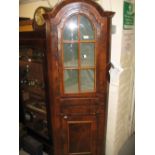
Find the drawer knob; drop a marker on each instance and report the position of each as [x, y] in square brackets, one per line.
[65, 117]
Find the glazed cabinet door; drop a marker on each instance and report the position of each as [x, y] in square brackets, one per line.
[79, 135]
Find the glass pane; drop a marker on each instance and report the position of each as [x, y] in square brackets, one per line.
[87, 54]
[71, 55]
[86, 29]
[71, 29]
[87, 80]
[71, 81]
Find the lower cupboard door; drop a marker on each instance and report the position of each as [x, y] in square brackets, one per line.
[80, 135]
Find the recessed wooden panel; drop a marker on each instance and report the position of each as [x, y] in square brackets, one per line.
[80, 137]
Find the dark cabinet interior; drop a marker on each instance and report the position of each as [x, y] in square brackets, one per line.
[33, 86]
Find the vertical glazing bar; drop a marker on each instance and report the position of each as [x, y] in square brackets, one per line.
[95, 65]
[79, 54]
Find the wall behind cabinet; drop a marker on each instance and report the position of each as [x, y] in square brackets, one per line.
[28, 9]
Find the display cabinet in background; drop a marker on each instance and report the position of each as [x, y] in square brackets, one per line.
[34, 107]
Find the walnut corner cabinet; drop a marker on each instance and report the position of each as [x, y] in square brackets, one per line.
[78, 34]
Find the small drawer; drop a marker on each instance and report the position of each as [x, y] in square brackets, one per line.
[79, 106]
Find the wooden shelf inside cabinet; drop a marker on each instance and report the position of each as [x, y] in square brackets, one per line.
[37, 106]
[36, 110]
[35, 90]
[32, 39]
[30, 61]
[47, 143]
[42, 133]
[33, 70]
[25, 25]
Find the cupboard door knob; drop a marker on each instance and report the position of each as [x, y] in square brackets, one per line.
[65, 117]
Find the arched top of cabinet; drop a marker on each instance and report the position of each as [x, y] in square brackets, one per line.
[79, 3]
